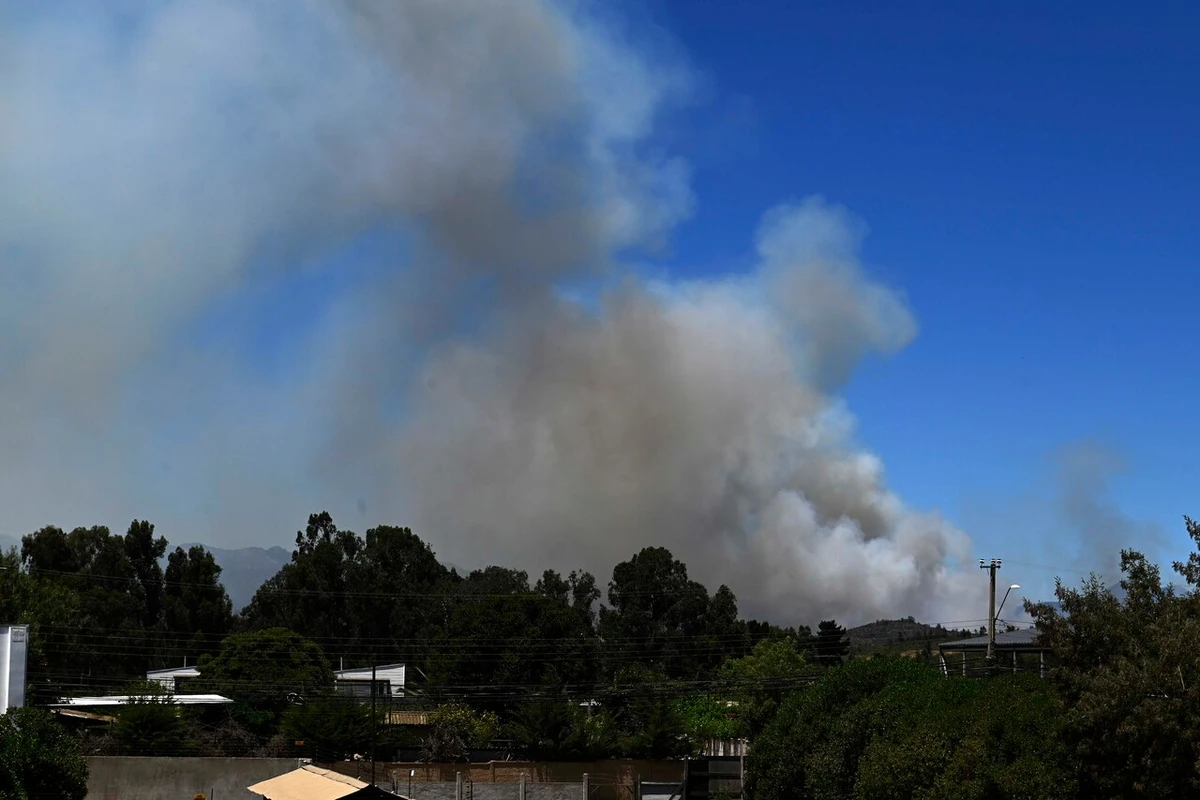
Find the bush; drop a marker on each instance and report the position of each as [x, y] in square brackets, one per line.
[149, 725]
[38, 758]
[332, 728]
[454, 727]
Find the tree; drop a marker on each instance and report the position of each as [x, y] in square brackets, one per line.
[567, 623]
[58, 624]
[311, 594]
[499, 632]
[831, 643]
[705, 717]
[119, 586]
[394, 575]
[144, 552]
[641, 701]
[453, 728]
[657, 616]
[261, 670]
[965, 738]
[892, 728]
[150, 725]
[38, 758]
[760, 681]
[551, 729]
[1127, 672]
[374, 594]
[197, 611]
[332, 728]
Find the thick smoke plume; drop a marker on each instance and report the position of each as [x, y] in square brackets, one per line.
[696, 416]
[165, 161]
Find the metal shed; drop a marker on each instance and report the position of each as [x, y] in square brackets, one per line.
[1009, 645]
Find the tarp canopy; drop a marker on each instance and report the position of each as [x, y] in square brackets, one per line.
[313, 783]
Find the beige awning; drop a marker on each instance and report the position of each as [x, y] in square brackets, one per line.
[308, 783]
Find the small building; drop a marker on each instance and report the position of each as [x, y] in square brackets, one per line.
[970, 655]
[14, 655]
[389, 681]
[314, 783]
[173, 678]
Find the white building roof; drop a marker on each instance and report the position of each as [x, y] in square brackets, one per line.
[124, 699]
[173, 672]
[387, 672]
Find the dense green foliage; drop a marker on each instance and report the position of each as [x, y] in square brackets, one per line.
[38, 758]
[759, 682]
[1130, 679]
[831, 644]
[654, 667]
[266, 671]
[101, 605]
[892, 728]
[455, 727]
[329, 728]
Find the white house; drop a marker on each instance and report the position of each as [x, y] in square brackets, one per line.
[389, 681]
[174, 678]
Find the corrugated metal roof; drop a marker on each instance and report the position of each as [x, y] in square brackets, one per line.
[364, 673]
[1008, 639]
[408, 717]
[174, 672]
[122, 699]
[308, 783]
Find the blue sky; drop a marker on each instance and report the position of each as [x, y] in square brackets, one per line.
[1029, 175]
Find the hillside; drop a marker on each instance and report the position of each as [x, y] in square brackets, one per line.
[900, 634]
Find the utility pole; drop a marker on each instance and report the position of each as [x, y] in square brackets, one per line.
[991, 567]
[373, 723]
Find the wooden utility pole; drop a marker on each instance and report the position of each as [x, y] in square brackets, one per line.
[991, 567]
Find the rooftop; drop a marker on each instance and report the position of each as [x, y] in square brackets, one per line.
[124, 699]
[1009, 640]
[364, 673]
[174, 672]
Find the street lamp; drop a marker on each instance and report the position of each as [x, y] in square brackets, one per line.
[1001, 608]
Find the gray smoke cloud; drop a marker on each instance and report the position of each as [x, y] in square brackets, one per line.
[1090, 516]
[161, 159]
[695, 416]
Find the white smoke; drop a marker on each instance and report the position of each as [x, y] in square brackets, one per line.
[160, 159]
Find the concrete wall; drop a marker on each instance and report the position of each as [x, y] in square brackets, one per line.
[490, 791]
[625, 771]
[612, 779]
[112, 778]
